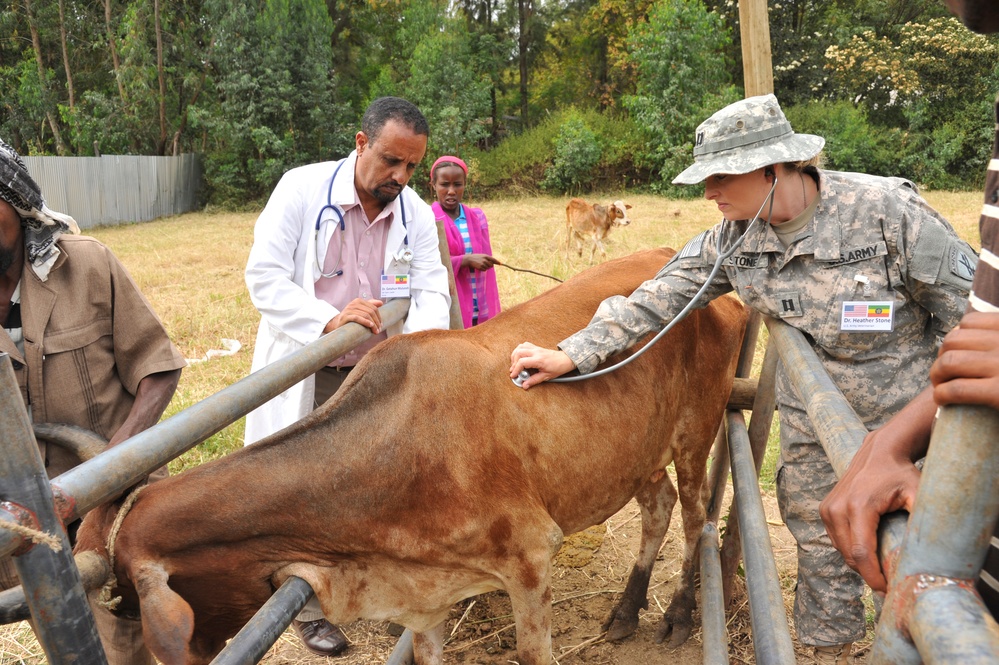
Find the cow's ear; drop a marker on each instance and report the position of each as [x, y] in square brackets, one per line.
[167, 619]
[628, 206]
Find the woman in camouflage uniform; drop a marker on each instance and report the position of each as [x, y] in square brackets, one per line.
[861, 264]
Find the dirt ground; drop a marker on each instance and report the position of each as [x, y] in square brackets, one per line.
[481, 629]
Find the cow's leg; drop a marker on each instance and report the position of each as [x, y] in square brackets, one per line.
[428, 647]
[528, 581]
[656, 499]
[678, 621]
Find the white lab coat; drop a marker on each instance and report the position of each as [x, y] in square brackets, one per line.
[281, 273]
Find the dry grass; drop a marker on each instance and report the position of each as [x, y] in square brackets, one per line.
[190, 267]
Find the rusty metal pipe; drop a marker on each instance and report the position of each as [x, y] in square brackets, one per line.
[107, 475]
[764, 402]
[265, 627]
[949, 624]
[94, 571]
[771, 634]
[52, 583]
[839, 428]
[713, 629]
[951, 524]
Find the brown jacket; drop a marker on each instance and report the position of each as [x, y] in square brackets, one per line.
[89, 338]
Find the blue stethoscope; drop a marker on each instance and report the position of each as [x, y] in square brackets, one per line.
[404, 255]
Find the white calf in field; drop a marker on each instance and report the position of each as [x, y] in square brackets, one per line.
[583, 220]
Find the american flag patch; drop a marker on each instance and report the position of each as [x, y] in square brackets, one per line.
[693, 247]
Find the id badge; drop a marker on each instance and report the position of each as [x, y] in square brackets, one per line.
[395, 286]
[864, 316]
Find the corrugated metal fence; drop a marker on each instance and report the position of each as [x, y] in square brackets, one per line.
[114, 189]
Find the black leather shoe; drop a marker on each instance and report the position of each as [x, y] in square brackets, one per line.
[321, 637]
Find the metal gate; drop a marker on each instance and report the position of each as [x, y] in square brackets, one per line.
[932, 613]
[932, 558]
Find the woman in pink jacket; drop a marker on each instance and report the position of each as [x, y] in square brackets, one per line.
[468, 241]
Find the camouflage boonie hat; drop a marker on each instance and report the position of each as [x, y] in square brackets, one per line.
[746, 136]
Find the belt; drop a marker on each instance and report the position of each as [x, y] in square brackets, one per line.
[337, 369]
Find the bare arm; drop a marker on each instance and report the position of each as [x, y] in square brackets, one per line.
[477, 261]
[151, 398]
[882, 478]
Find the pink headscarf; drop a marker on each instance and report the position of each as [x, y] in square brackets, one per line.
[448, 158]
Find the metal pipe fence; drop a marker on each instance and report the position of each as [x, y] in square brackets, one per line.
[47, 571]
[49, 586]
[932, 613]
[931, 593]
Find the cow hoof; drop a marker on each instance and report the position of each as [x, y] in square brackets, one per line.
[619, 626]
[676, 632]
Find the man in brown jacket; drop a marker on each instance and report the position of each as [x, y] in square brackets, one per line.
[86, 346]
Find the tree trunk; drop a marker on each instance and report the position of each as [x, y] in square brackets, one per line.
[162, 78]
[524, 11]
[36, 43]
[194, 99]
[114, 51]
[65, 54]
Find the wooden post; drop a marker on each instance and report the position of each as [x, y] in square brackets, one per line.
[757, 64]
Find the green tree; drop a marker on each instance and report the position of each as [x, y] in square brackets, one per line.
[448, 86]
[277, 108]
[682, 78]
[933, 80]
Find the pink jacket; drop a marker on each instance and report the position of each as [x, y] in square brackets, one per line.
[478, 232]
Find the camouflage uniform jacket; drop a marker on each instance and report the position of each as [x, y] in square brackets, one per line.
[876, 228]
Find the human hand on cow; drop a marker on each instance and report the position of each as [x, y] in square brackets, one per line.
[881, 478]
[967, 368]
[360, 311]
[549, 363]
[478, 261]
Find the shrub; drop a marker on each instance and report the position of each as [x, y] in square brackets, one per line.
[851, 143]
[519, 163]
[576, 154]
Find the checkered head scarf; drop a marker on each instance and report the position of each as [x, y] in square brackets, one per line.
[42, 226]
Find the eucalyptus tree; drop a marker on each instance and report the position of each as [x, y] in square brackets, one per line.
[277, 105]
[682, 77]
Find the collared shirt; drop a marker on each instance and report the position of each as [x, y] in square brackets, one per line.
[89, 338]
[358, 251]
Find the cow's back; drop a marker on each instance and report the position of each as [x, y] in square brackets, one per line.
[582, 448]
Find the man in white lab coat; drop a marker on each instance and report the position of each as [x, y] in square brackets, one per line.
[335, 241]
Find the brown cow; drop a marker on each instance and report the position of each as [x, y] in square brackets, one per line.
[430, 478]
[584, 220]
